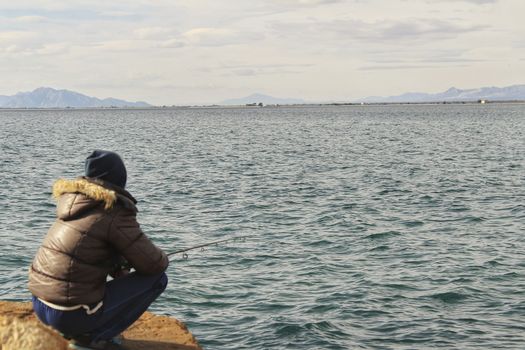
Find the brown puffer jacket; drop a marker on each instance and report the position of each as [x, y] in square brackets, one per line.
[96, 226]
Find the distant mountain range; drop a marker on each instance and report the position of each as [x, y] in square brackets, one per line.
[45, 97]
[260, 98]
[509, 93]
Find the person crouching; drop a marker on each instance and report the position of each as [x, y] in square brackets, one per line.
[96, 234]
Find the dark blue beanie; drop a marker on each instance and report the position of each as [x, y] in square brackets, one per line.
[107, 166]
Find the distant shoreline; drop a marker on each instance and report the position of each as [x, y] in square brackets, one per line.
[334, 104]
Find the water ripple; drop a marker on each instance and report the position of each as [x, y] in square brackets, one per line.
[377, 227]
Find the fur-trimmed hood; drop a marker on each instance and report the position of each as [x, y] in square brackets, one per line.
[75, 196]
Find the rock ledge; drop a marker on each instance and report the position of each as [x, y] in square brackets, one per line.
[20, 329]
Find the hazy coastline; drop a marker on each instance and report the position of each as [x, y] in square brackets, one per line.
[303, 105]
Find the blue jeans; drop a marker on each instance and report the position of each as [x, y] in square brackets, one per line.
[126, 299]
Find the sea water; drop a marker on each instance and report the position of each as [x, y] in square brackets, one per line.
[367, 227]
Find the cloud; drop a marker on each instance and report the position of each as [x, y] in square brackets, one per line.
[209, 36]
[446, 59]
[429, 28]
[171, 44]
[218, 37]
[119, 45]
[406, 66]
[152, 32]
[479, 2]
[16, 36]
[13, 42]
[261, 69]
[304, 3]
[167, 37]
[29, 19]
[387, 31]
[307, 2]
[117, 13]
[53, 49]
[244, 72]
[72, 14]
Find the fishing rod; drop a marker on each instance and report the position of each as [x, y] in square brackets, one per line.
[119, 266]
[202, 246]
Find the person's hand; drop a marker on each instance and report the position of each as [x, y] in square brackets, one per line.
[120, 273]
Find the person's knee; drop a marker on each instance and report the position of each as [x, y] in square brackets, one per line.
[162, 282]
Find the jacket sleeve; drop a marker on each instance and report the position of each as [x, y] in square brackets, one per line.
[127, 237]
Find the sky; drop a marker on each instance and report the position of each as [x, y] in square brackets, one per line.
[169, 52]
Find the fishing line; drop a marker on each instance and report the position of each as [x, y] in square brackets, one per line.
[202, 246]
